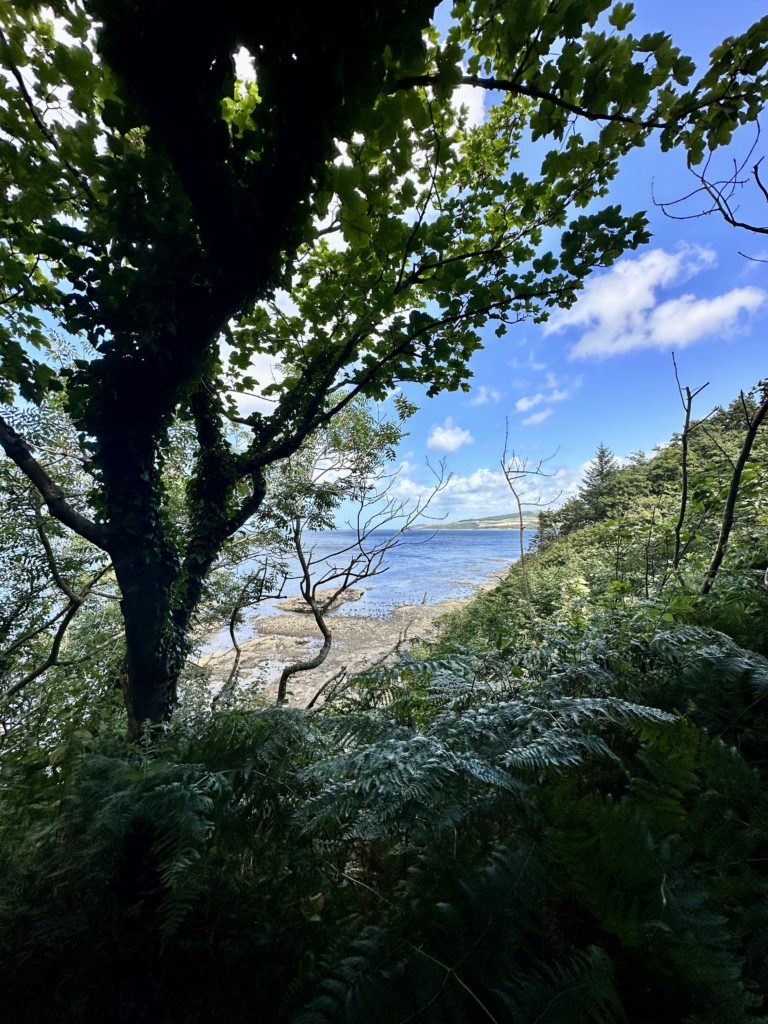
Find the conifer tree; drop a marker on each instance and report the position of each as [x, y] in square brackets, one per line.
[598, 491]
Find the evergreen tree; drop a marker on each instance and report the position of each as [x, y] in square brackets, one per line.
[599, 490]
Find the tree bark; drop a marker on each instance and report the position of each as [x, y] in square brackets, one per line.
[686, 397]
[154, 651]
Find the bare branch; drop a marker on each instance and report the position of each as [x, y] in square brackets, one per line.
[515, 470]
[352, 562]
[733, 493]
[252, 592]
[686, 397]
[720, 194]
[308, 593]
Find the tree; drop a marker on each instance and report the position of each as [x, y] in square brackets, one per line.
[58, 600]
[379, 523]
[517, 471]
[753, 419]
[597, 487]
[687, 397]
[342, 469]
[161, 209]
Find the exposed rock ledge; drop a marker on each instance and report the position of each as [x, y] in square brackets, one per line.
[358, 642]
[298, 604]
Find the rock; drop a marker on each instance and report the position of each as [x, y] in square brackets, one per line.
[298, 604]
[358, 642]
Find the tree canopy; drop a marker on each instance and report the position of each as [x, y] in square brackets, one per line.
[336, 213]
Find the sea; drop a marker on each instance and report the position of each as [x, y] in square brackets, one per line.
[423, 567]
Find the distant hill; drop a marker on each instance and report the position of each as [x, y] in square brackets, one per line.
[508, 522]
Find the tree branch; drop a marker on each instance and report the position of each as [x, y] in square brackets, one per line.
[58, 579]
[80, 180]
[516, 469]
[531, 92]
[308, 595]
[245, 597]
[20, 641]
[52, 659]
[16, 449]
[686, 397]
[733, 493]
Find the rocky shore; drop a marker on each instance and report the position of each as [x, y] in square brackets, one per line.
[358, 642]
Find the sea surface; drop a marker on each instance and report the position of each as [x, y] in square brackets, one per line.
[422, 567]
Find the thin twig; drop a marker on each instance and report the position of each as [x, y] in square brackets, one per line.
[53, 655]
[733, 491]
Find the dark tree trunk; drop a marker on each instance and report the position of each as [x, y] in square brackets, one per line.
[160, 594]
[144, 559]
[154, 650]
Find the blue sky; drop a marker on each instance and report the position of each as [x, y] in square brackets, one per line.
[602, 372]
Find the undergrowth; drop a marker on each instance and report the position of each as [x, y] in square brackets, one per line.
[471, 837]
[555, 813]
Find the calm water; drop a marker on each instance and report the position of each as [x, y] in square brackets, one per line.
[424, 568]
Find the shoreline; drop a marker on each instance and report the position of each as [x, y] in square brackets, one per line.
[359, 641]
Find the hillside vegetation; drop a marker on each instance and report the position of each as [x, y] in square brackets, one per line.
[224, 230]
[555, 814]
[510, 522]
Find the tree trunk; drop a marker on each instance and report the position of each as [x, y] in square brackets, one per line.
[154, 649]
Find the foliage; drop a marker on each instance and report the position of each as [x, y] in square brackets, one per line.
[60, 629]
[336, 216]
[471, 840]
[62, 660]
[634, 524]
[550, 817]
[562, 820]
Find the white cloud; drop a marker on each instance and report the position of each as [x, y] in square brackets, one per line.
[555, 394]
[484, 492]
[530, 363]
[620, 310]
[473, 101]
[684, 320]
[448, 437]
[529, 402]
[485, 395]
[558, 395]
[537, 417]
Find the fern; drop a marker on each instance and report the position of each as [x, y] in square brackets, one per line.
[557, 835]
